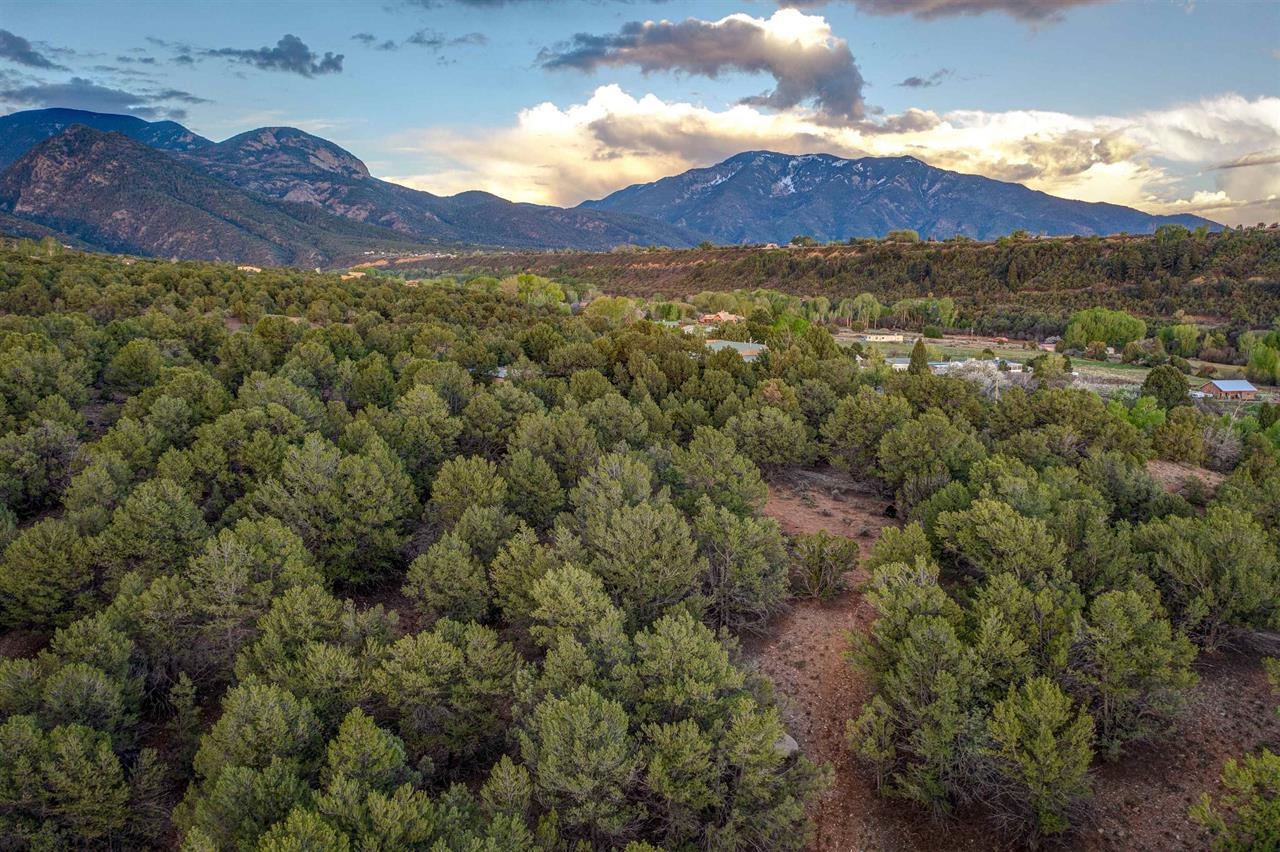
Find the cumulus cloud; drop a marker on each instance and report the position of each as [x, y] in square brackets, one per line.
[565, 155]
[807, 62]
[928, 82]
[1028, 11]
[291, 54]
[81, 93]
[18, 50]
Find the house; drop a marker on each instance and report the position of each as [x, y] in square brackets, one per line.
[749, 351]
[719, 317]
[879, 337]
[1229, 389]
[899, 364]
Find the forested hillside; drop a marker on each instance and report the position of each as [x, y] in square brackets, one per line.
[1012, 285]
[302, 561]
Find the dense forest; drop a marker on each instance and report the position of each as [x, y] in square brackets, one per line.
[1016, 285]
[296, 560]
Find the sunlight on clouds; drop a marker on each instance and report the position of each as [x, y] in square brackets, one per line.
[1162, 161]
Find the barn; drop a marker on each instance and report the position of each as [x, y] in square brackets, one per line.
[1229, 389]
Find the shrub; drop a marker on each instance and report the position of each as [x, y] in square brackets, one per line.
[1041, 752]
[1247, 814]
[819, 562]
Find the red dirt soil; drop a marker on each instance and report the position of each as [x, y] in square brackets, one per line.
[1173, 476]
[1141, 802]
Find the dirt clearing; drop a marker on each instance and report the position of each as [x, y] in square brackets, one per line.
[1174, 476]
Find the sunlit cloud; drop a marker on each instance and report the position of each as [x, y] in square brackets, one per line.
[806, 60]
[1162, 160]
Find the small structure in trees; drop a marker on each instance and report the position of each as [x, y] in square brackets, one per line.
[1229, 389]
[749, 350]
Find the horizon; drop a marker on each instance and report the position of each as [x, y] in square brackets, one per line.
[543, 102]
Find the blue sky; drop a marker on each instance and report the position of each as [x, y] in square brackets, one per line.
[1163, 104]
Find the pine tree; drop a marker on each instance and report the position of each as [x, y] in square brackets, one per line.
[450, 687]
[746, 577]
[1134, 669]
[46, 576]
[919, 365]
[154, 532]
[647, 559]
[533, 491]
[1247, 815]
[854, 429]
[448, 582]
[584, 764]
[1041, 750]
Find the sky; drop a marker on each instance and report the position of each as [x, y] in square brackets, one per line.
[1165, 105]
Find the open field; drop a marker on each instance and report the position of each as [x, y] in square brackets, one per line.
[1103, 375]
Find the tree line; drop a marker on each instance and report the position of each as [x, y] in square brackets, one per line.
[318, 562]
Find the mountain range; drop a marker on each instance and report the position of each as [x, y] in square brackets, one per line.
[764, 197]
[279, 195]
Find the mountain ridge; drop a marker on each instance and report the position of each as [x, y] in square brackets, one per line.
[290, 165]
[115, 193]
[270, 177]
[22, 131]
[835, 198]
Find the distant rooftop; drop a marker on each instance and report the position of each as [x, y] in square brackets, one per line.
[1233, 385]
[748, 350]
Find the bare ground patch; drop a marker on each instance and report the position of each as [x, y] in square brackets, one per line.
[1173, 476]
[807, 501]
[18, 644]
[1141, 801]
[803, 653]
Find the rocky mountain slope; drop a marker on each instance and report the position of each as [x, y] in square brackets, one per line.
[120, 195]
[291, 165]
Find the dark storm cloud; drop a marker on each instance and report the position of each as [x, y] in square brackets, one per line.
[823, 72]
[17, 49]
[81, 93]
[1029, 11]
[929, 82]
[291, 55]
